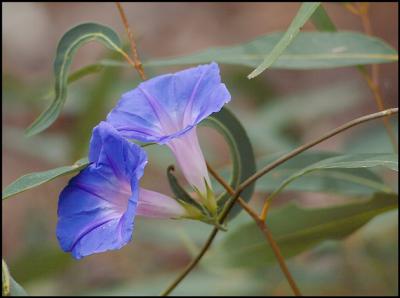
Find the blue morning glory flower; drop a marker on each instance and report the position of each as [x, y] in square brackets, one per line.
[96, 210]
[166, 110]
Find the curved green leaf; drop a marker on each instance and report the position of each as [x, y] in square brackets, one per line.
[243, 160]
[365, 160]
[32, 180]
[10, 287]
[297, 229]
[304, 13]
[68, 45]
[310, 50]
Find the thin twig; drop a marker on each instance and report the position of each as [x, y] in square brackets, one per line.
[350, 7]
[373, 79]
[229, 189]
[264, 171]
[137, 63]
[264, 229]
[374, 87]
[264, 211]
[192, 264]
[363, 9]
[126, 56]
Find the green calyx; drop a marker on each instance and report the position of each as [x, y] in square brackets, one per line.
[204, 208]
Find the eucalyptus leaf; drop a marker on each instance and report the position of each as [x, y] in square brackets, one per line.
[351, 161]
[323, 22]
[32, 180]
[304, 13]
[297, 229]
[94, 68]
[310, 50]
[67, 46]
[242, 156]
[344, 181]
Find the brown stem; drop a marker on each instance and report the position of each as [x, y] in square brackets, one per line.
[264, 211]
[137, 63]
[373, 79]
[350, 7]
[264, 229]
[229, 189]
[374, 87]
[264, 171]
[192, 264]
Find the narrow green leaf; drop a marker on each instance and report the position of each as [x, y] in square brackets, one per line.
[304, 13]
[32, 180]
[366, 160]
[243, 160]
[68, 45]
[297, 229]
[345, 181]
[94, 68]
[10, 286]
[84, 71]
[310, 50]
[322, 21]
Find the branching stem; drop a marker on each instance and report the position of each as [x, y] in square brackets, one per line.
[264, 229]
[264, 171]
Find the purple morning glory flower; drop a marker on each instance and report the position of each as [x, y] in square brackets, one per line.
[166, 110]
[96, 210]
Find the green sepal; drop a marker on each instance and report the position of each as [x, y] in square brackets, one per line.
[181, 195]
[208, 199]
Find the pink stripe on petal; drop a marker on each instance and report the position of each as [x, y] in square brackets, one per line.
[156, 205]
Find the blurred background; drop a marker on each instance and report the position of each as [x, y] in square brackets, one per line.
[279, 109]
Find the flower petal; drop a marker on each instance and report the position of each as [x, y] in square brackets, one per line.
[189, 156]
[97, 208]
[168, 106]
[123, 158]
[156, 205]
